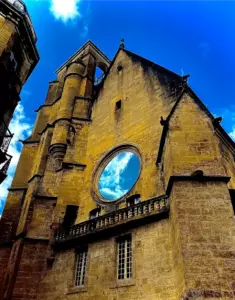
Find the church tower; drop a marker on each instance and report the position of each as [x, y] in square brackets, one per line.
[74, 227]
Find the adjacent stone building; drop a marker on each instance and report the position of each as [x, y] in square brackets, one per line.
[170, 236]
[18, 57]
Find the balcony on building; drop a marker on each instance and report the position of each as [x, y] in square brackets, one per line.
[136, 214]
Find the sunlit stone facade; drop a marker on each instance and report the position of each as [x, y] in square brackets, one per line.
[170, 235]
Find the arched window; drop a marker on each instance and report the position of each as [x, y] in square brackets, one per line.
[99, 75]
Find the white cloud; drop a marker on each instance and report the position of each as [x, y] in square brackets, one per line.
[65, 9]
[21, 128]
[232, 133]
[113, 194]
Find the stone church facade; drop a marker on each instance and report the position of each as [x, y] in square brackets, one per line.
[61, 239]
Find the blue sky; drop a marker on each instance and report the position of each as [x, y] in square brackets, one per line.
[195, 37]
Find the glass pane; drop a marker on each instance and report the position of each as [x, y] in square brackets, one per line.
[119, 176]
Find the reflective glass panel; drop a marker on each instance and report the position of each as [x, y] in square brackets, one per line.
[119, 176]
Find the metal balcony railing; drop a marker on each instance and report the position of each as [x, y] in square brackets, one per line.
[5, 159]
[154, 206]
[4, 167]
[5, 137]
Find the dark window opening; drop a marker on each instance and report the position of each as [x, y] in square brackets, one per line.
[118, 105]
[94, 213]
[70, 215]
[232, 195]
[135, 199]
[71, 135]
[119, 67]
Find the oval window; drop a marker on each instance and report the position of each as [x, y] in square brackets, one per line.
[119, 175]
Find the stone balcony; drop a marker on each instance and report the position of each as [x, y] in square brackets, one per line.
[143, 212]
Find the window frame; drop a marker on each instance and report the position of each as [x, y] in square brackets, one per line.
[127, 275]
[82, 281]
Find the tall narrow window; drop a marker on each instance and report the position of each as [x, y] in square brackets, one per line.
[81, 266]
[124, 259]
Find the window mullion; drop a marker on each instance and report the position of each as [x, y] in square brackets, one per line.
[125, 260]
[82, 268]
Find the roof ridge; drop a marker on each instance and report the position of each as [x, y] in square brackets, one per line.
[89, 42]
[152, 63]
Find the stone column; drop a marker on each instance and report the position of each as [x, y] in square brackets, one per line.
[71, 90]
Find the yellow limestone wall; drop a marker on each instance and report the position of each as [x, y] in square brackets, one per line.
[163, 251]
[7, 29]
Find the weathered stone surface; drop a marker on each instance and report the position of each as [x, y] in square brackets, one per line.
[188, 255]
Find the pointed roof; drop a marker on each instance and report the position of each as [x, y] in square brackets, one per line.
[149, 63]
[172, 75]
[144, 62]
[88, 44]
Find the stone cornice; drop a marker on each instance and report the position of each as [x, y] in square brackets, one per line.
[34, 176]
[194, 178]
[47, 105]
[29, 142]
[24, 28]
[72, 165]
[17, 189]
[64, 119]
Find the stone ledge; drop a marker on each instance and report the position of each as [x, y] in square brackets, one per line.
[75, 290]
[123, 283]
[194, 178]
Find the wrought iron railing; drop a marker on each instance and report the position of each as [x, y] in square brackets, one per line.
[5, 137]
[4, 167]
[141, 210]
